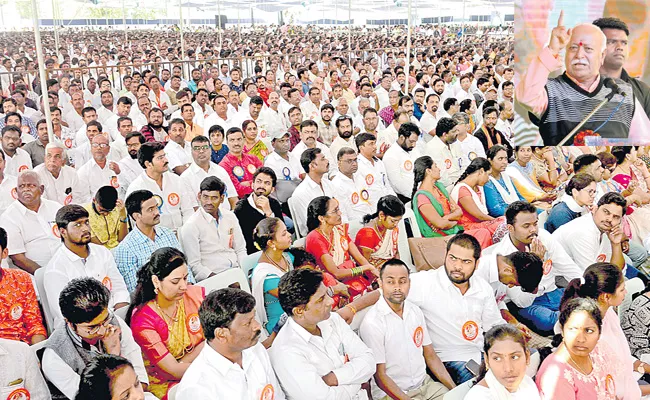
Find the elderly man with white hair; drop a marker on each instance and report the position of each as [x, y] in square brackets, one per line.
[557, 105]
[60, 181]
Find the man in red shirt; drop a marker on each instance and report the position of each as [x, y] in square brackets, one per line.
[240, 167]
[22, 318]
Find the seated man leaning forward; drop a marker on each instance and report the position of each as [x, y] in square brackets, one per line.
[557, 105]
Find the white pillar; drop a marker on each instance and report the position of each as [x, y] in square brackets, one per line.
[41, 73]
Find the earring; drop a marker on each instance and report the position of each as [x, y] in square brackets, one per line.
[274, 248]
[155, 290]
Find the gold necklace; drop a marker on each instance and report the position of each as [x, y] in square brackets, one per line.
[172, 318]
[576, 364]
[276, 264]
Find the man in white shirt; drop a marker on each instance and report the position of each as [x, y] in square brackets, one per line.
[371, 169]
[106, 110]
[315, 184]
[539, 310]
[308, 136]
[382, 91]
[401, 158]
[158, 96]
[352, 188]
[370, 121]
[98, 172]
[8, 183]
[470, 147]
[73, 116]
[597, 236]
[388, 136]
[311, 107]
[88, 114]
[124, 105]
[220, 116]
[16, 159]
[201, 168]
[446, 152]
[285, 165]
[233, 363]
[177, 149]
[271, 118]
[174, 201]
[212, 238]
[129, 165]
[316, 355]
[88, 330]
[79, 258]
[25, 370]
[30, 222]
[60, 181]
[344, 136]
[503, 125]
[395, 331]
[517, 269]
[429, 121]
[326, 129]
[457, 336]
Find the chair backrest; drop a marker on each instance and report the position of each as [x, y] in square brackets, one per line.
[294, 212]
[249, 262]
[403, 246]
[633, 286]
[36, 347]
[409, 215]
[171, 394]
[121, 312]
[40, 285]
[225, 279]
[541, 219]
[459, 392]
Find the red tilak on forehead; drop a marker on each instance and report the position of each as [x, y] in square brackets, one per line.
[580, 44]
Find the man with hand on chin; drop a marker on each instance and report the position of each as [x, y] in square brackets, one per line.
[233, 364]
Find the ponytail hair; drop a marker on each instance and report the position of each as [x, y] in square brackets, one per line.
[598, 278]
[477, 164]
[420, 167]
[317, 208]
[390, 205]
[162, 262]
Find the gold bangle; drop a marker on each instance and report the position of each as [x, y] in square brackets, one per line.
[354, 310]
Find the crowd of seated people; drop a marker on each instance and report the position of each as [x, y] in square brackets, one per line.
[308, 185]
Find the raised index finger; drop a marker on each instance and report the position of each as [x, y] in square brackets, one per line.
[560, 20]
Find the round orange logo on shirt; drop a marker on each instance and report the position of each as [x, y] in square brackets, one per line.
[370, 179]
[365, 195]
[16, 312]
[24, 129]
[114, 182]
[14, 193]
[610, 387]
[159, 200]
[68, 143]
[22, 168]
[251, 168]
[68, 200]
[471, 155]
[264, 153]
[601, 258]
[173, 199]
[382, 148]
[470, 330]
[193, 323]
[238, 171]
[344, 243]
[418, 336]
[448, 163]
[19, 394]
[107, 283]
[55, 231]
[268, 393]
[355, 198]
[408, 165]
[263, 133]
[548, 266]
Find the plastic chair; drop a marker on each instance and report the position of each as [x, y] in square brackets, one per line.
[358, 317]
[225, 279]
[459, 392]
[299, 244]
[633, 286]
[541, 219]
[36, 347]
[403, 238]
[249, 262]
[171, 394]
[294, 212]
[121, 312]
[49, 320]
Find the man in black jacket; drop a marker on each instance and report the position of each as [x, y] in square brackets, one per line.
[256, 206]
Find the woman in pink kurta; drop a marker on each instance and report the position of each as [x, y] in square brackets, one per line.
[582, 368]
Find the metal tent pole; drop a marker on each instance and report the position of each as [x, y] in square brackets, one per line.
[408, 50]
[41, 72]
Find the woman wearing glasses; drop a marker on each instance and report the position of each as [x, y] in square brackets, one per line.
[164, 319]
[88, 331]
[328, 241]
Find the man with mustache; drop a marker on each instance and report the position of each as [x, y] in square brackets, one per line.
[316, 355]
[211, 238]
[79, 258]
[557, 105]
[174, 201]
[396, 332]
[617, 53]
[400, 158]
[344, 136]
[129, 165]
[240, 166]
[233, 363]
[457, 336]
[488, 134]
[98, 171]
[538, 310]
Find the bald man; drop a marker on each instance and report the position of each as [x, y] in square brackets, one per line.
[557, 105]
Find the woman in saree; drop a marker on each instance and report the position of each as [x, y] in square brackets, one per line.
[436, 213]
[547, 171]
[522, 172]
[328, 241]
[499, 190]
[469, 195]
[164, 319]
[252, 144]
[377, 240]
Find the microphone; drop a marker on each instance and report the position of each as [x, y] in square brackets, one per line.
[611, 84]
